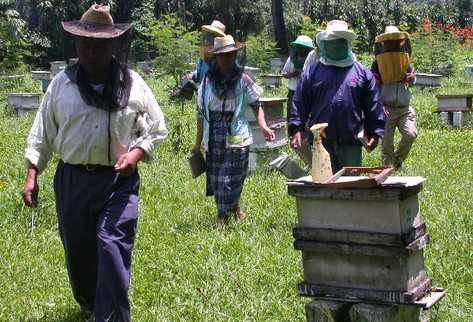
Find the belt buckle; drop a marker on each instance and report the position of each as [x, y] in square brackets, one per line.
[89, 168]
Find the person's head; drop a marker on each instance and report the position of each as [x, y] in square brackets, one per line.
[393, 40]
[226, 61]
[102, 47]
[336, 49]
[335, 44]
[225, 51]
[94, 35]
[207, 37]
[302, 46]
[302, 51]
[95, 55]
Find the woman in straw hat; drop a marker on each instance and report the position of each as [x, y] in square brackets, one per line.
[101, 119]
[223, 97]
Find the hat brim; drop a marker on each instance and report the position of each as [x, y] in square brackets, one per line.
[213, 30]
[335, 34]
[98, 31]
[401, 35]
[226, 49]
[296, 44]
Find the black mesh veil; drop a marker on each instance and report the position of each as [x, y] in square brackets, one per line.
[223, 86]
[387, 46]
[117, 86]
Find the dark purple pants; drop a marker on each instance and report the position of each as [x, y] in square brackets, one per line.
[97, 214]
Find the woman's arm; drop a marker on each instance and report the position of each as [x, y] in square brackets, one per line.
[267, 132]
[198, 135]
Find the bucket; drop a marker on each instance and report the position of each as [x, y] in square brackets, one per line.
[287, 166]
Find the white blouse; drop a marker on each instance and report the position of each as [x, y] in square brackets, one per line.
[254, 93]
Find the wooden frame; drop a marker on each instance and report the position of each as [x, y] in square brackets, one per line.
[369, 250]
[425, 302]
[358, 237]
[381, 173]
[361, 295]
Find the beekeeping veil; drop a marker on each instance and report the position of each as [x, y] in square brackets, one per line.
[392, 50]
[97, 23]
[222, 86]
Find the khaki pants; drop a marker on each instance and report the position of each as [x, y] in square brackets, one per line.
[404, 118]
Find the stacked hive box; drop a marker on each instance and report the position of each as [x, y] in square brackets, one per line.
[271, 80]
[261, 151]
[454, 109]
[44, 77]
[22, 103]
[57, 67]
[362, 244]
[276, 64]
[428, 80]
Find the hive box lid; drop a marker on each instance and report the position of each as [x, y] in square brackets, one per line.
[393, 188]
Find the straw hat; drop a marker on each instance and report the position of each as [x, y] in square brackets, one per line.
[225, 45]
[303, 41]
[96, 22]
[336, 29]
[216, 27]
[392, 33]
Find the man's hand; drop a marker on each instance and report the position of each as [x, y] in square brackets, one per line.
[30, 188]
[268, 133]
[387, 110]
[296, 141]
[409, 78]
[127, 163]
[372, 141]
[295, 73]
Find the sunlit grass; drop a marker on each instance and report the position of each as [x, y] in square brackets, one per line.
[186, 270]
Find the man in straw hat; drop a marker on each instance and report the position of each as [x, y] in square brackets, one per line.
[207, 36]
[191, 81]
[101, 119]
[394, 72]
[341, 92]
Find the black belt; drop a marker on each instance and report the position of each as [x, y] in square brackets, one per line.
[92, 167]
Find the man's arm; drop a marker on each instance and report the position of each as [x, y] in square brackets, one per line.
[373, 110]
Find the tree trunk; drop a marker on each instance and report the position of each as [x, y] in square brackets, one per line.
[279, 27]
[33, 15]
[307, 8]
[181, 11]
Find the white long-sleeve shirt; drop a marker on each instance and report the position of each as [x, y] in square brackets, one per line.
[78, 132]
[288, 69]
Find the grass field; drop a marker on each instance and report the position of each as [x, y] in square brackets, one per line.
[186, 270]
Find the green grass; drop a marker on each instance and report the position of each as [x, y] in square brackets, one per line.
[186, 270]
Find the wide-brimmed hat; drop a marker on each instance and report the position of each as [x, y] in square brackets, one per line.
[303, 41]
[225, 45]
[96, 22]
[336, 29]
[392, 33]
[216, 27]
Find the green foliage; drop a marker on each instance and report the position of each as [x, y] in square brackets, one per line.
[176, 46]
[142, 47]
[15, 43]
[434, 51]
[308, 28]
[259, 50]
[241, 17]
